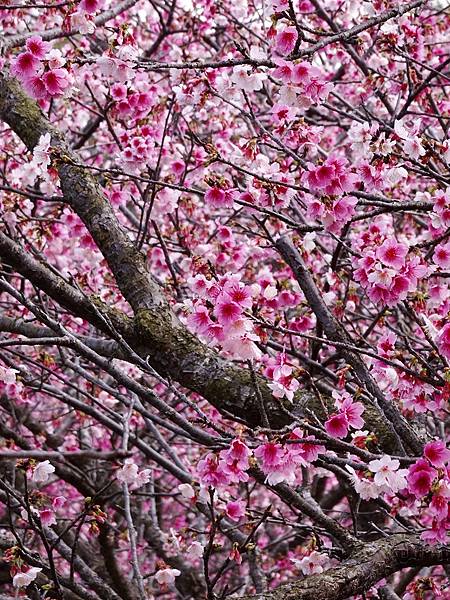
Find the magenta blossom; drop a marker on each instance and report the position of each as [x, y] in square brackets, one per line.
[219, 198]
[55, 81]
[211, 472]
[38, 48]
[420, 477]
[25, 65]
[443, 340]
[353, 412]
[285, 40]
[337, 425]
[392, 254]
[437, 453]
[235, 510]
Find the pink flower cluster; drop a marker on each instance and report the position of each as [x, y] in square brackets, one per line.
[429, 479]
[229, 466]
[284, 382]
[138, 150]
[442, 209]
[39, 70]
[220, 197]
[131, 104]
[348, 415]
[285, 40]
[443, 340]
[332, 177]
[386, 274]
[283, 462]
[226, 322]
[304, 84]
[383, 477]
[333, 214]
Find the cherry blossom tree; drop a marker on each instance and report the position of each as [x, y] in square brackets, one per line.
[225, 316]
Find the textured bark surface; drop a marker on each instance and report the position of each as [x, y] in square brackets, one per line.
[367, 565]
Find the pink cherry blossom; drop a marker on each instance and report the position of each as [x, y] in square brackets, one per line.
[227, 311]
[224, 234]
[238, 454]
[187, 491]
[286, 40]
[387, 474]
[131, 475]
[420, 477]
[36, 87]
[195, 550]
[443, 340]
[441, 255]
[246, 79]
[25, 65]
[211, 471]
[270, 455]
[55, 81]
[235, 510]
[38, 48]
[392, 254]
[219, 198]
[437, 453]
[337, 425]
[312, 564]
[353, 412]
[8, 375]
[47, 517]
[91, 6]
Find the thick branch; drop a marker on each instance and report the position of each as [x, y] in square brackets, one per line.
[369, 564]
[170, 348]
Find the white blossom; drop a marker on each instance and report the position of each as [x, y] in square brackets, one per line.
[23, 579]
[166, 576]
[42, 471]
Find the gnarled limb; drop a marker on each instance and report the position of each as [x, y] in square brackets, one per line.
[366, 566]
[171, 349]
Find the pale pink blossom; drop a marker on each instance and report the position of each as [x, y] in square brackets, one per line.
[312, 564]
[387, 475]
[187, 491]
[24, 578]
[195, 550]
[8, 375]
[245, 79]
[42, 471]
[131, 475]
[167, 576]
